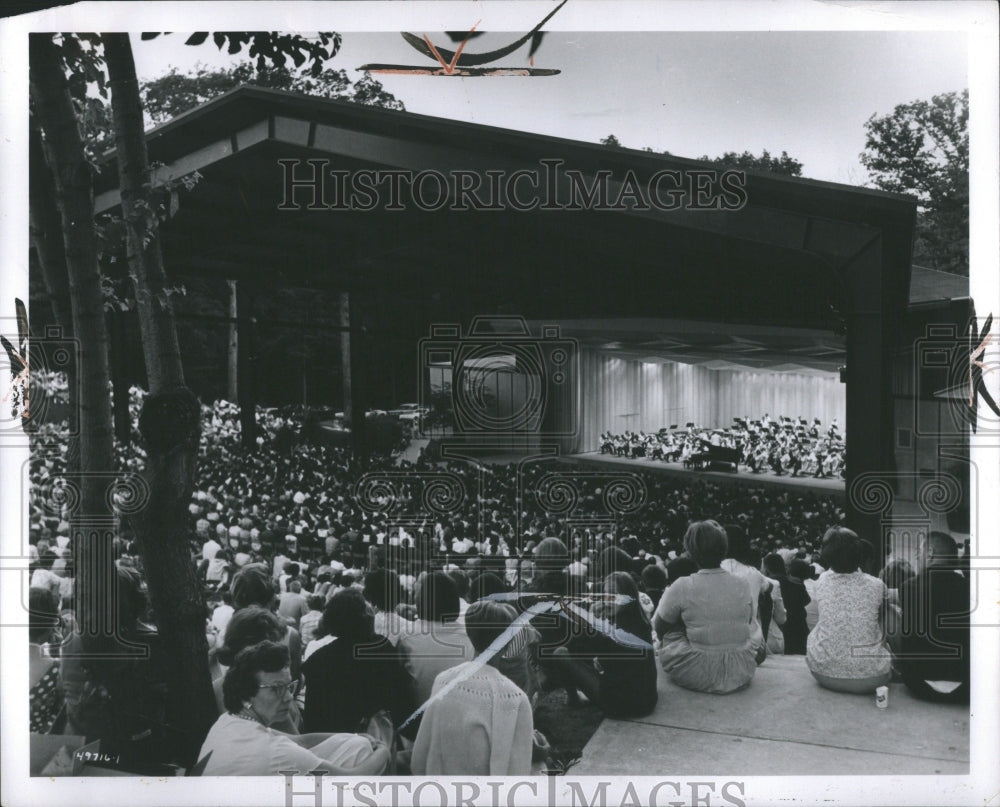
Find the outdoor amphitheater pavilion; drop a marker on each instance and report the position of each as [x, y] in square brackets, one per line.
[802, 303]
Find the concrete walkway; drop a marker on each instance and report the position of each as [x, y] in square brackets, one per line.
[784, 724]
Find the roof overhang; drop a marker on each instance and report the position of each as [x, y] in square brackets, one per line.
[779, 260]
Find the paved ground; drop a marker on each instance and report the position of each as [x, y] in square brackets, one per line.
[783, 724]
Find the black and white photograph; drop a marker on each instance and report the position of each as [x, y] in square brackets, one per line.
[475, 403]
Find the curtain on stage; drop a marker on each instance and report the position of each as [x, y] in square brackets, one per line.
[618, 394]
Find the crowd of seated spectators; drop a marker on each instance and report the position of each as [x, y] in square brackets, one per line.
[780, 446]
[359, 639]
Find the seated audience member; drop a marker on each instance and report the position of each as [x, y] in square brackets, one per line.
[654, 579]
[351, 679]
[739, 562]
[461, 581]
[252, 586]
[704, 620]
[384, 593]
[218, 570]
[677, 568]
[486, 584]
[435, 643]
[620, 676]
[806, 574]
[43, 576]
[121, 700]
[249, 626]
[846, 651]
[223, 612]
[934, 625]
[894, 575]
[310, 620]
[45, 698]
[773, 568]
[797, 602]
[550, 559]
[258, 691]
[292, 605]
[613, 559]
[478, 723]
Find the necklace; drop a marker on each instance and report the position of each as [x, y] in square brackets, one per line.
[242, 716]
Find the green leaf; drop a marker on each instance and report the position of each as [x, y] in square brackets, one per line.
[197, 39]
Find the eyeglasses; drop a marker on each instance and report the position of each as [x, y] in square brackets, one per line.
[282, 688]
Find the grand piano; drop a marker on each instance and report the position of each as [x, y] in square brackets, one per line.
[715, 458]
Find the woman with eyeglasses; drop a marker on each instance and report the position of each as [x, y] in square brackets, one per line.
[258, 691]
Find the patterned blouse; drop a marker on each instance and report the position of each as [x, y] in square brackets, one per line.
[45, 699]
[847, 641]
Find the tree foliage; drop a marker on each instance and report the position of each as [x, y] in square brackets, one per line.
[175, 92]
[922, 149]
[783, 165]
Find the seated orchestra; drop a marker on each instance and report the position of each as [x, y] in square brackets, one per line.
[777, 446]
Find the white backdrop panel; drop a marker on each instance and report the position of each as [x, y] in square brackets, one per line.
[619, 394]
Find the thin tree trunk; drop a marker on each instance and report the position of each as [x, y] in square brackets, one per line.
[169, 424]
[145, 259]
[45, 226]
[63, 148]
[71, 173]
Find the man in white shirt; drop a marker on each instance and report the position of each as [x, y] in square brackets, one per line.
[222, 614]
[210, 549]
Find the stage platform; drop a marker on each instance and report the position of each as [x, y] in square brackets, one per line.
[677, 469]
[783, 724]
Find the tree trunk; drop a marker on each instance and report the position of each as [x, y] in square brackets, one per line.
[45, 226]
[169, 424]
[63, 148]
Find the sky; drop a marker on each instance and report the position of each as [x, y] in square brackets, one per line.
[691, 93]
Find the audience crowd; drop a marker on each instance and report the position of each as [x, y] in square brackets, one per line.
[386, 618]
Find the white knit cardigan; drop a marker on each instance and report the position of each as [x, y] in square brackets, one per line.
[476, 723]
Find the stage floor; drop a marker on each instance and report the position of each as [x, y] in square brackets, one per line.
[677, 469]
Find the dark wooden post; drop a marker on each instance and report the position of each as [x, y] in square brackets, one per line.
[344, 321]
[357, 347]
[244, 365]
[232, 354]
[870, 417]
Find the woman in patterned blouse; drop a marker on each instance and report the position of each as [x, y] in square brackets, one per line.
[45, 696]
[846, 650]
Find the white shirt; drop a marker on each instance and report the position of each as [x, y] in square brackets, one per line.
[246, 748]
[210, 549]
[220, 617]
[316, 644]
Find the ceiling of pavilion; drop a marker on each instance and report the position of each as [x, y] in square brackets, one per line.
[715, 346]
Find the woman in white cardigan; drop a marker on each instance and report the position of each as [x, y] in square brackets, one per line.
[477, 721]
